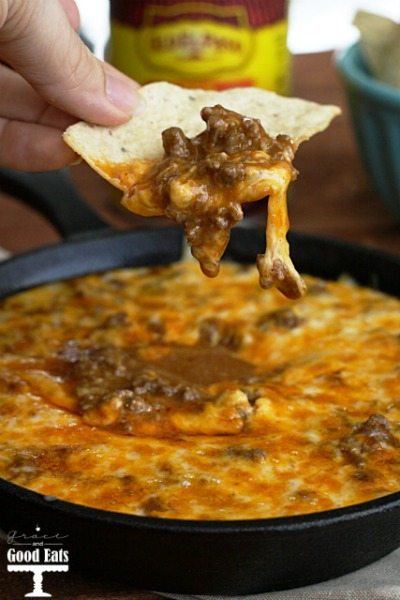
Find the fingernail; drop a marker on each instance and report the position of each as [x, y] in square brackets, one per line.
[122, 93]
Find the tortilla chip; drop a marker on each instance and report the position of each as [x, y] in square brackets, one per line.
[380, 46]
[166, 105]
[248, 138]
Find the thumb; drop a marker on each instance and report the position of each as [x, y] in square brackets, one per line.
[37, 40]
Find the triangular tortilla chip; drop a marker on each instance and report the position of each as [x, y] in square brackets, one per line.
[167, 105]
[380, 45]
[128, 157]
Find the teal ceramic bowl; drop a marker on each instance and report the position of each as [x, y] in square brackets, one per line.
[375, 112]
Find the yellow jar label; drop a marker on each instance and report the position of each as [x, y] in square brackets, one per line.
[206, 52]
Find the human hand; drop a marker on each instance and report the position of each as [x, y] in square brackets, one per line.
[53, 81]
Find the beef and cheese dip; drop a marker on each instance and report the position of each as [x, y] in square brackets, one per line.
[160, 392]
[202, 182]
[200, 175]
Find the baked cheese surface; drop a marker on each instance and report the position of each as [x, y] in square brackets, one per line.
[159, 392]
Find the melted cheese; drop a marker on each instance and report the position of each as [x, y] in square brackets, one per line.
[323, 428]
[202, 183]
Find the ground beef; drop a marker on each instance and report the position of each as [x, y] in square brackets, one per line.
[227, 133]
[284, 318]
[112, 375]
[216, 332]
[370, 436]
[112, 385]
[212, 164]
[239, 451]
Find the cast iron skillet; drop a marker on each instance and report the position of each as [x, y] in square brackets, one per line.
[214, 557]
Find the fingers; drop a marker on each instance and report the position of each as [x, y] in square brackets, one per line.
[30, 129]
[19, 101]
[71, 10]
[60, 67]
[32, 147]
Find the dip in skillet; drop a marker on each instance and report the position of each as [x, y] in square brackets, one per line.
[160, 392]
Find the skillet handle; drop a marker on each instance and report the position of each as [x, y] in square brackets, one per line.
[56, 198]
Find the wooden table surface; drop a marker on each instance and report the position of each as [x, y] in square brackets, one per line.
[333, 196]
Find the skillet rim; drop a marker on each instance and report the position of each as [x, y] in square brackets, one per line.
[287, 524]
[277, 524]
[176, 244]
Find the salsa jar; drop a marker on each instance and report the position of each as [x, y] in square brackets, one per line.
[212, 44]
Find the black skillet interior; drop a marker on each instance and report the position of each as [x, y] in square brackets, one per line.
[237, 557]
